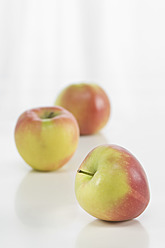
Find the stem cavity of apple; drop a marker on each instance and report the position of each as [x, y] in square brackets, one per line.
[85, 172]
[49, 115]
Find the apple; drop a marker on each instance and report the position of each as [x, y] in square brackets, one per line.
[46, 137]
[88, 103]
[111, 184]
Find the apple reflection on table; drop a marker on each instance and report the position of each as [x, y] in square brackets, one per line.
[46, 199]
[102, 234]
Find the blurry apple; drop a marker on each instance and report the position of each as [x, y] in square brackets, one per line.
[88, 103]
[111, 184]
[46, 137]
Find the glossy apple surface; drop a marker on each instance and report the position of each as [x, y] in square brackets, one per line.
[111, 184]
[88, 103]
[46, 137]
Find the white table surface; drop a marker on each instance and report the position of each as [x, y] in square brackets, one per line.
[40, 209]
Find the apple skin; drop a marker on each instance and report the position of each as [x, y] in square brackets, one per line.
[46, 137]
[88, 103]
[111, 184]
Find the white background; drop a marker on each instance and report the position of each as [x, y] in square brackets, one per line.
[46, 45]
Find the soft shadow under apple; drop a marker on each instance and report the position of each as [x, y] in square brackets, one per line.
[127, 234]
[46, 199]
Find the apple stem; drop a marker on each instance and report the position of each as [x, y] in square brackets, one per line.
[85, 172]
[50, 115]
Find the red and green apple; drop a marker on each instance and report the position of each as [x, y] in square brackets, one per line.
[111, 184]
[46, 137]
[88, 103]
